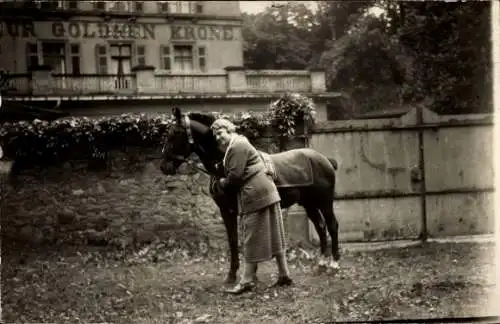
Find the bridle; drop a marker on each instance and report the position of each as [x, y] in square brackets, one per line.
[191, 142]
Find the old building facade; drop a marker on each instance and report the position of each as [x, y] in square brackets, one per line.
[110, 37]
[98, 57]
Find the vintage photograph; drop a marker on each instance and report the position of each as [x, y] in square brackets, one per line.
[248, 161]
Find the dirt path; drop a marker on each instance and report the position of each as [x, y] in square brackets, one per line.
[77, 287]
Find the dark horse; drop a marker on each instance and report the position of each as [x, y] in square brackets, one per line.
[191, 133]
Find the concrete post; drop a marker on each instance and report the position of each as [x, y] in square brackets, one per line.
[318, 80]
[145, 78]
[236, 79]
[41, 80]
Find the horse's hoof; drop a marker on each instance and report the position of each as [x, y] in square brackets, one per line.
[334, 265]
[318, 270]
[322, 262]
[230, 279]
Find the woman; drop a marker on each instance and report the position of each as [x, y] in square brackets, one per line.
[258, 205]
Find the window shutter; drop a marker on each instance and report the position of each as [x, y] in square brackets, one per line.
[72, 4]
[202, 62]
[101, 59]
[198, 7]
[165, 57]
[140, 54]
[139, 6]
[100, 5]
[31, 55]
[75, 58]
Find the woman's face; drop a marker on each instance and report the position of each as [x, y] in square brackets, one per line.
[223, 137]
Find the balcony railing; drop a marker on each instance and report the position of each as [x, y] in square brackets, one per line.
[93, 84]
[201, 83]
[147, 82]
[276, 80]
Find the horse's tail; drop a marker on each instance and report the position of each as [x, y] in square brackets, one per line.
[334, 163]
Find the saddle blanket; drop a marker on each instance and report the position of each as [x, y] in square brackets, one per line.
[289, 169]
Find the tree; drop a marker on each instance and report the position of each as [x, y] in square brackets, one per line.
[278, 38]
[332, 20]
[367, 64]
[437, 53]
[450, 45]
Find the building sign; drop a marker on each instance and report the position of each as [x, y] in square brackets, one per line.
[201, 32]
[103, 30]
[115, 30]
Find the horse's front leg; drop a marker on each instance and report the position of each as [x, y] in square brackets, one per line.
[231, 223]
[229, 215]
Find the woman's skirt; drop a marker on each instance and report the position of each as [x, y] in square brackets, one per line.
[263, 234]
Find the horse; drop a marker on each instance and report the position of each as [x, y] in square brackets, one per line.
[191, 133]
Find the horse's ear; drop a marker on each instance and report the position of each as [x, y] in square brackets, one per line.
[177, 114]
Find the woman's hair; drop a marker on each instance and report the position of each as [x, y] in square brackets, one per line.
[223, 123]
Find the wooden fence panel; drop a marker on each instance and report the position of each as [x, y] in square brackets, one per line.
[408, 177]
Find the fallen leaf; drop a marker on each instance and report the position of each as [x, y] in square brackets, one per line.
[203, 318]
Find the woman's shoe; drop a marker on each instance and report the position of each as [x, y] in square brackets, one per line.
[241, 288]
[282, 281]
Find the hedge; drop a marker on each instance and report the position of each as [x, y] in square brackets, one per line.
[42, 142]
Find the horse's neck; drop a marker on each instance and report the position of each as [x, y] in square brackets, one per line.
[209, 162]
[206, 149]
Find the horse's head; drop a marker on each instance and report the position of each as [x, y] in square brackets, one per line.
[188, 134]
[178, 143]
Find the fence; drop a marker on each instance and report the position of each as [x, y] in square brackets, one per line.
[415, 176]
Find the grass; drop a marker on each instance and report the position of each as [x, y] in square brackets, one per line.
[83, 286]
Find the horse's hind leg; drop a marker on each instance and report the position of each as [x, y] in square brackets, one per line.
[314, 215]
[333, 229]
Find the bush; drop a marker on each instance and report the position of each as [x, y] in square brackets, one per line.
[40, 142]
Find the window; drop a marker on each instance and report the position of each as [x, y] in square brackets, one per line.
[121, 58]
[139, 6]
[162, 6]
[100, 5]
[73, 4]
[120, 6]
[165, 57]
[120, 50]
[183, 58]
[101, 59]
[202, 64]
[75, 59]
[31, 55]
[51, 4]
[61, 57]
[140, 54]
[199, 8]
[54, 55]
[184, 7]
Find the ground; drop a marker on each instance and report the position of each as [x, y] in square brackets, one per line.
[177, 286]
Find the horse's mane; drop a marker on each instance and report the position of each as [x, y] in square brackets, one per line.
[206, 119]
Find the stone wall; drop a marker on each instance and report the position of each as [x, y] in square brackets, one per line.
[126, 202]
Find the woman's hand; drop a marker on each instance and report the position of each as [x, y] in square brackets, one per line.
[222, 182]
[216, 187]
[219, 168]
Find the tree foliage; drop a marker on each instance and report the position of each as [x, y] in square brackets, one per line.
[277, 37]
[450, 44]
[432, 52]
